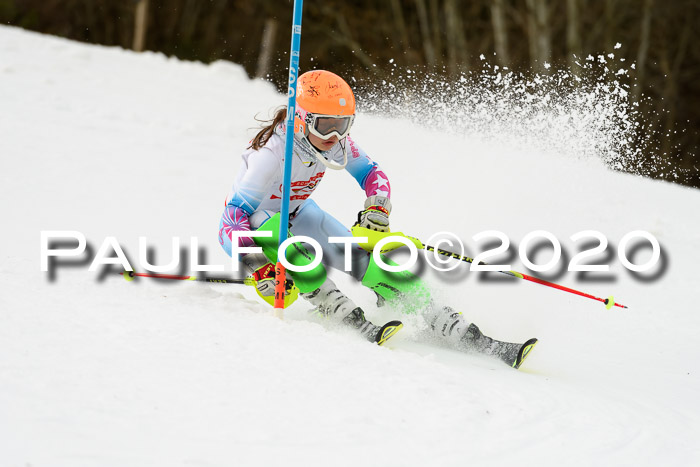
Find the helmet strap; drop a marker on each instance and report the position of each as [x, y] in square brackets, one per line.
[329, 164]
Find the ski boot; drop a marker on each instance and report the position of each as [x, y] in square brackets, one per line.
[371, 332]
[512, 354]
[332, 303]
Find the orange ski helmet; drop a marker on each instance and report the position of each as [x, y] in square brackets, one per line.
[325, 105]
[323, 92]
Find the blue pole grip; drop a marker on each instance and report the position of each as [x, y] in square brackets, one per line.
[291, 108]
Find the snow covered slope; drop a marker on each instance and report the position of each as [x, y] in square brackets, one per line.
[98, 371]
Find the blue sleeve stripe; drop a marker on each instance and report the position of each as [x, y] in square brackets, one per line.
[240, 202]
[361, 171]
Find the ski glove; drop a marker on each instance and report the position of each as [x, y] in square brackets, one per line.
[265, 281]
[376, 214]
[264, 276]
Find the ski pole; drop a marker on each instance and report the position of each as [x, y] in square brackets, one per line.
[289, 296]
[375, 237]
[129, 276]
[609, 302]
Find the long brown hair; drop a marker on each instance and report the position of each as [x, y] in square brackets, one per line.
[268, 130]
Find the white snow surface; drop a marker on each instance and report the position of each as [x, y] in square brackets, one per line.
[102, 372]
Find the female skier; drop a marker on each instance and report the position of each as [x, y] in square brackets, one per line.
[325, 111]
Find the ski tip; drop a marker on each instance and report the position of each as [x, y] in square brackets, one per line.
[387, 331]
[524, 352]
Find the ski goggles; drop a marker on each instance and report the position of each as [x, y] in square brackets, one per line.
[325, 126]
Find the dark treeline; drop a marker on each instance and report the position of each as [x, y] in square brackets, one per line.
[442, 36]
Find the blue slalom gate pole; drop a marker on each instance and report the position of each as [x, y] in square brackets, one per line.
[280, 272]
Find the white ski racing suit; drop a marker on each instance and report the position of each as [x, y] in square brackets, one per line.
[257, 190]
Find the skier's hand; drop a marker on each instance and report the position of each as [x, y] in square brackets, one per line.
[265, 281]
[376, 214]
